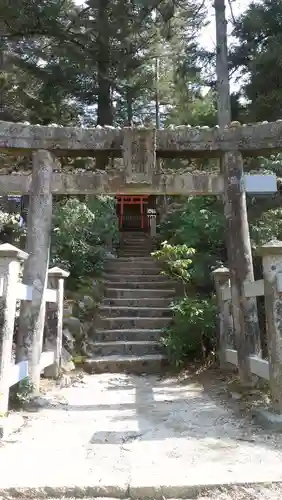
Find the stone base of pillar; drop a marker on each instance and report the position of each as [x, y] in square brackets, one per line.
[268, 419]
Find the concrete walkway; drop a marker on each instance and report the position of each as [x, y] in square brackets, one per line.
[121, 435]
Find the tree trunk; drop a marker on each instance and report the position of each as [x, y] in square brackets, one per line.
[129, 108]
[157, 91]
[104, 112]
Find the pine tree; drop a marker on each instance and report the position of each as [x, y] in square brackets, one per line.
[257, 57]
[33, 82]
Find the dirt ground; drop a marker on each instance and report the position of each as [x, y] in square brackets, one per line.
[146, 436]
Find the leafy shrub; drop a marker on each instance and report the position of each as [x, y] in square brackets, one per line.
[193, 246]
[267, 227]
[193, 331]
[21, 393]
[199, 223]
[82, 234]
[176, 260]
[11, 229]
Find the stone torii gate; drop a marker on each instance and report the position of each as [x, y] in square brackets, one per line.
[139, 149]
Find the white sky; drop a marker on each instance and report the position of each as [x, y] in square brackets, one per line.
[208, 33]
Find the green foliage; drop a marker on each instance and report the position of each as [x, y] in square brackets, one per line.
[44, 78]
[199, 223]
[267, 228]
[257, 56]
[21, 393]
[83, 231]
[193, 330]
[11, 230]
[195, 245]
[176, 260]
[35, 75]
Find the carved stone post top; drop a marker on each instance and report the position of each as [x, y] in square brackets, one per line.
[13, 253]
[221, 274]
[57, 272]
[273, 247]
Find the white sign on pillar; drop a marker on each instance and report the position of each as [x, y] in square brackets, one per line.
[260, 184]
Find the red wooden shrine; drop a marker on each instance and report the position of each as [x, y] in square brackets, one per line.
[140, 200]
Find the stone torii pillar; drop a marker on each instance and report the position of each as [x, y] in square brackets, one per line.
[39, 225]
[245, 315]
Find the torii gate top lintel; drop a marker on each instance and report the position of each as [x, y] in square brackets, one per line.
[139, 149]
[179, 141]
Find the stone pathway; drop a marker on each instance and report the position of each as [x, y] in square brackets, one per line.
[123, 435]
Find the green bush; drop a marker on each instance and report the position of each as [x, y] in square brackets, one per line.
[193, 246]
[21, 393]
[82, 234]
[198, 224]
[267, 227]
[193, 331]
[176, 260]
[11, 230]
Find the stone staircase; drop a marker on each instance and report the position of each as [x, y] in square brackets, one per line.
[135, 309]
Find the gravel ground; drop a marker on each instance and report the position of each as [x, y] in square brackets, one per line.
[148, 436]
[235, 493]
[245, 493]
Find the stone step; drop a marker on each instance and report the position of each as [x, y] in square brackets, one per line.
[132, 241]
[132, 247]
[148, 285]
[136, 249]
[129, 322]
[129, 264]
[136, 260]
[142, 241]
[137, 245]
[141, 312]
[135, 234]
[121, 348]
[126, 364]
[117, 278]
[136, 293]
[128, 335]
[130, 238]
[138, 302]
[134, 254]
[142, 263]
[133, 270]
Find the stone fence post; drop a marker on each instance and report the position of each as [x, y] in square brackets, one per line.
[54, 316]
[10, 266]
[272, 272]
[226, 330]
[152, 216]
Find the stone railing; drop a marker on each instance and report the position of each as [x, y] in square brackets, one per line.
[11, 291]
[271, 288]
